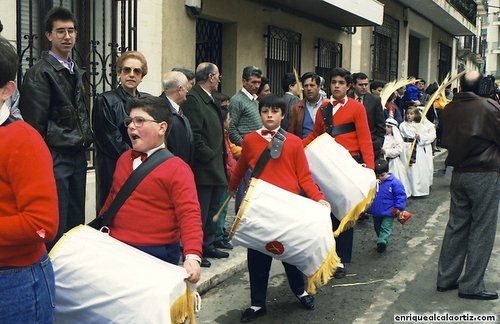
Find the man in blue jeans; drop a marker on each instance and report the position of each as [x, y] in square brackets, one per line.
[28, 211]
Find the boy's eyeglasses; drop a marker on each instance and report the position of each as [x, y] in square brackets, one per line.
[138, 121]
[61, 32]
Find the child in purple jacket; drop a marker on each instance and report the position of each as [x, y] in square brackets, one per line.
[390, 196]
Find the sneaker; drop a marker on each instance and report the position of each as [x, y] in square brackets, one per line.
[381, 247]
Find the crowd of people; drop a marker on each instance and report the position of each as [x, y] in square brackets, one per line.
[219, 143]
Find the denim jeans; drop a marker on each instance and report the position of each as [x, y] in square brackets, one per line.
[27, 294]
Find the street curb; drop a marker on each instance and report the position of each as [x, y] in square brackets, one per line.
[222, 269]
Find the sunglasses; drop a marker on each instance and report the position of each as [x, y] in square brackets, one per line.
[127, 70]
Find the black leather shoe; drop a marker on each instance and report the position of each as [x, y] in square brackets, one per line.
[482, 295]
[339, 273]
[215, 253]
[251, 315]
[223, 244]
[443, 289]
[307, 301]
[205, 263]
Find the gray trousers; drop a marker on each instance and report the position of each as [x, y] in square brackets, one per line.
[471, 229]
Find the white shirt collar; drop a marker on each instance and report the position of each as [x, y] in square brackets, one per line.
[248, 94]
[137, 161]
[174, 104]
[4, 113]
[208, 93]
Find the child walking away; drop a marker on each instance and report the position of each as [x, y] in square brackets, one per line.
[392, 150]
[390, 196]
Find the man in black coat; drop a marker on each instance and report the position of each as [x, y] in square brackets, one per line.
[209, 165]
[374, 110]
[180, 137]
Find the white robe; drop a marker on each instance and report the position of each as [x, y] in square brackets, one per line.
[393, 147]
[421, 172]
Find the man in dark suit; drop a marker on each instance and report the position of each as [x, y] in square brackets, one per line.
[209, 164]
[180, 137]
[374, 110]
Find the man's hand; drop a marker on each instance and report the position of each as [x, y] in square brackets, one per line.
[325, 203]
[193, 269]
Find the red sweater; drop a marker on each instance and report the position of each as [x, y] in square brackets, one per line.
[290, 171]
[162, 209]
[28, 196]
[354, 142]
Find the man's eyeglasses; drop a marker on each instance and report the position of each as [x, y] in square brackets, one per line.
[127, 70]
[138, 121]
[61, 32]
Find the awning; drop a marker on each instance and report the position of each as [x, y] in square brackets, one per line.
[340, 13]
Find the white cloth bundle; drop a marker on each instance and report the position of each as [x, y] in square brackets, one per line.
[287, 227]
[348, 186]
[102, 280]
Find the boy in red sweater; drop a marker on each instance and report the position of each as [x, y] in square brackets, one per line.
[289, 171]
[28, 211]
[164, 208]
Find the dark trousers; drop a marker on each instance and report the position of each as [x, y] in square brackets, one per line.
[259, 265]
[70, 172]
[209, 198]
[170, 253]
[344, 242]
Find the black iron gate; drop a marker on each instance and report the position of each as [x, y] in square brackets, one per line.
[444, 63]
[282, 55]
[106, 28]
[209, 42]
[385, 50]
[328, 56]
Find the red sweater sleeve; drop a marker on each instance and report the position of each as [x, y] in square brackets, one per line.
[364, 137]
[28, 195]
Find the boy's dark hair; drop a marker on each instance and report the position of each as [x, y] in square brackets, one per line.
[8, 62]
[343, 73]
[58, 13]
[272, 101]
[431, 88]
[310, 75]
[220, 97]
[187, 72]
[156, 107]
[288, 80]
[381, 166]
[248, 71]
[375, 84]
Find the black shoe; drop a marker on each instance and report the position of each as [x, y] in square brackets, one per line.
[339, 273]
[223, 244]
[212, 252]
[307, 301]
[251, 315]
[205, 263]
[381, 247]
[451, 287]
[482, 295]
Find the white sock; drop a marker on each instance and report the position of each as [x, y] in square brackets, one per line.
[341, 265]
[255, 308]
[303, 294]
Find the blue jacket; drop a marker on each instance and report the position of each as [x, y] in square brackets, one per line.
[390, 194]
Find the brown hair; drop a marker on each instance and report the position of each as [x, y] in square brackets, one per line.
[132, 54]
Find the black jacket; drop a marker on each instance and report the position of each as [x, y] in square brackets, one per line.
[111, 138]
[376, 120]
[53, 102]
[179, 139]
[205, 117]
[471, 133]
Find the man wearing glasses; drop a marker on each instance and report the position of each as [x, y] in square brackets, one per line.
[110, 135]
[52, 101]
